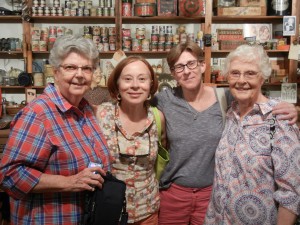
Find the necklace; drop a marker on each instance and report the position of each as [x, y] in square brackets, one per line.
[192, 110]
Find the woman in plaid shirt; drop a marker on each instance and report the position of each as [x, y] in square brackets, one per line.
[44, 168]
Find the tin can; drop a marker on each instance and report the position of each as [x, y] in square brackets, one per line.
[38, 79]
[183, 37]
[93, 11]
[86, 12]
[34, 11]
[154, 46]
[162, 38]
[81, 4]
[44, 34]
[105, 11]
[104, 39]
[52, 31]
[169, 37]
[74, 4]
[136, 45]
[67, 12]
[72, 12]
[56, 3]
[79, 12]
[35, 3]
[168, 46]
[105, 47]
[53, 11]
[108, 3]
[140, 32]
[99, 11]
[60, 31]
[101, 3]
[96, 39]
[154, 37]
[126, 9]
[104, 31]
[145, 9]
[87, 30]
[145, 45]
[42, 3]
[112, 46]
[112, 38]
[46, 11]
[112, 11]
[88, 4]
[68, 4]
[40, 11]
[161, 46]
[60, 11]
[43, 46]
[100, 47]
[126, 32]
[112, 31]
[126, 44]
[96, 30]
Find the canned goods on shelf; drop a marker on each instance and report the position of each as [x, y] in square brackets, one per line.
[154, 46]
[56, 3]
[96, 39]
[112, 46]
[40, 11]
[79, 12]
[154, 37]
[145, 9]
[67, 12]
[96, 30]
[105, 11]
[126, 44]
[168, 46]
[53, 11]
[126, 32]
[140, 32]
[105, 47]
[99, 11]
[38, 79]
[81, 4]
[136, 45]
[72, 12]
[112, 38]
[104, 39]
[86, 12]
[43, 46]
[145, 45]
[74, 4]
[161, 46]
[112, 31]
[126, 9]
[60, 11]
[68, 4]
[112, 11]
[88, 4]
[93, 11]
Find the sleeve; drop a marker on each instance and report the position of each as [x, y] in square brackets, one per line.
[286, 161]
[159, 99]
[25, 155]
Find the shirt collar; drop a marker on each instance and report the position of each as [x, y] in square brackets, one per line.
[62, 104]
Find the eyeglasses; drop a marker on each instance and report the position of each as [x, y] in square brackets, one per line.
[133, 148]
[72, 69]
[248, 75]
[180, 67]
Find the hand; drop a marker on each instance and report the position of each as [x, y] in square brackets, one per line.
[286, 111]
[87, 179]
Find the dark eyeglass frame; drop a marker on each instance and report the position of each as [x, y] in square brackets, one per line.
[190, 64]
[128, 155]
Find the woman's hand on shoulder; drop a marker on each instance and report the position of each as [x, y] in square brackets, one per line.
[286, 111]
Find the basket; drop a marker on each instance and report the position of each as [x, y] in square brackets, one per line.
[14, 109]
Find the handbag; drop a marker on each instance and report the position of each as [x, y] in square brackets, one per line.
[163, 155]
[105, 206]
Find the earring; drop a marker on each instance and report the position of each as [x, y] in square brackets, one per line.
[149, 97]
[119, 97]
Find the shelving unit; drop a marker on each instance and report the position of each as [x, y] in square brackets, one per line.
[205, 24]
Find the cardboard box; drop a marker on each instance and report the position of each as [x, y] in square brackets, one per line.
[230, 34]
[242, 11]
[191, 8]
[167, 7]
[248, 3]
[231, 45]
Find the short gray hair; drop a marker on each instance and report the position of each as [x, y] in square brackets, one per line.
[250, 54]
[65, 45]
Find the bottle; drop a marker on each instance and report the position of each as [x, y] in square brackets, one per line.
[279, 7]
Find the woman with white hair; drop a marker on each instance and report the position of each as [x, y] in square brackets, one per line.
[257, 170]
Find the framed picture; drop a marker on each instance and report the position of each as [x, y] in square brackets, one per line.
[167, 7]
[289, 25]
[30, 94]
[261, 32]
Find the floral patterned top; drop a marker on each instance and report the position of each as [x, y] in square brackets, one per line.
[255, 173]
[133, 159]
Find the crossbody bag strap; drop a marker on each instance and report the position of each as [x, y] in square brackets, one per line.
[158, 122]
[223, 102]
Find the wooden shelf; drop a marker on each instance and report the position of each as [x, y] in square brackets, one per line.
[162, 19]
[247, 19]
[10, 19]
[11, 54]
[74, 19]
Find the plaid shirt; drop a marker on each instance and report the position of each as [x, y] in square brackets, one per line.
[49, 136]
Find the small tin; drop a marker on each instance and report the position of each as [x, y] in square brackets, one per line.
[112, 46]
[108, 3]
[86, 12]
[169, 37]
[67, 12]
[68, 4]
[96, 30]
[154, 46]
[112, 31]
[112, 38]
[126, 9]
[35, 3]
[81, 4]
[154, 37]
[145, 9]
[140, 32]
[38, 79]
[162, 38]
[100, 47]
[145, 45]
[40, 11]
[104, 39]
[161, 46]
[93, 11]
[99, 11]
[34, 11]
[52, 31]
[101, 3]
[112, 11]
[60, 11]
[168, 46]
[42, 3]
[79, 12]
[46, 11]
[96, 39]
[53, 11]
[72, 12]
[43, 46]
[104, 31]
[105, 11]
[88, 4]
[126, 32]
[105, 47]
[136, 45]
[56, 3]
[74, 4]
[126, 44]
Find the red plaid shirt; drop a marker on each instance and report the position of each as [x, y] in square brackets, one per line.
[49, 136]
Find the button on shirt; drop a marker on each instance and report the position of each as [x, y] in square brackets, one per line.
[251, 178]
[50, 136]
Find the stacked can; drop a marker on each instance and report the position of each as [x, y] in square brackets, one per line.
[126, 40]
[39, 8]
[140, 43]
[103, 37]
[161, 38]
[79, 8]
[105, 8]
[154, 39]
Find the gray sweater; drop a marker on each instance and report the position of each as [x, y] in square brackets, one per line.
[193, 138]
